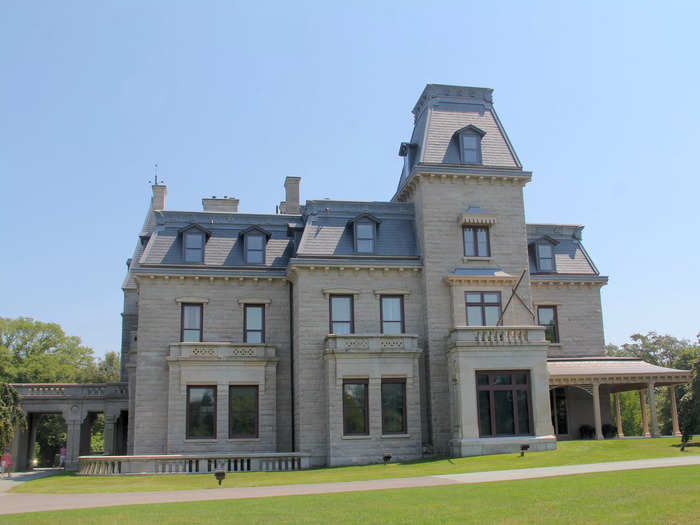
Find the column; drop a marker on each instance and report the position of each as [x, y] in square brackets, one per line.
[674, 411]
[618, 416]
[72, 443]
[109, 434]
[652, 409]
[596, 411]
[645, 423]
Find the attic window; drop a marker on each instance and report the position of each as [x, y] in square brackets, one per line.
[254, 243]
[365, 233]
[194, 246]
[470, 145]
[544, 255]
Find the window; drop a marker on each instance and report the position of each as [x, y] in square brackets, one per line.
[557, 403]
[476, 241]
[341, 314]
[470, 148]
[355, 407]
[483, 308]
[547, 317]
[255, 248]
[364, 237]
[393, 406]
[243, 411]
[201, 412]
[504, 403]
[194, 247]
[391, 314]
[254, 323]
[545, 257]
[191, 323]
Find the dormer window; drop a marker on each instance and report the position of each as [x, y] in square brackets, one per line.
[254, 242]
[544, 254]
[194, 237]
[470, 145]
[365, 233]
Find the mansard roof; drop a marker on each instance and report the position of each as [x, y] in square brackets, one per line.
[570, 256]
[328, 234]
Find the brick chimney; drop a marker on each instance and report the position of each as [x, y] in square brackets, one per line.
[225, 204]
[291, 203]
[158, 199]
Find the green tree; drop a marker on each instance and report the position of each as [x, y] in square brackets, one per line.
[689, 409]
[11, 415]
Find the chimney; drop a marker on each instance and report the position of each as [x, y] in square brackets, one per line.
[158, 199]
[291, 203]
[227, 204]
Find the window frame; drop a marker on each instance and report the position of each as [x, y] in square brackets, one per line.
[381, 312]
[245, 322]
[330, 312]
[513, 387]
[470, 132]
[365, 383]
[538, 259]
[187, 412]
[474, 234]
[404, 422]
[247, 249]
[483, 305]
[555, 317]
[202, 241]
[256, 435]
[373, 238]
[182, 322]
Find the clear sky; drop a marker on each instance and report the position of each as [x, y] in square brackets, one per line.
[599, 99]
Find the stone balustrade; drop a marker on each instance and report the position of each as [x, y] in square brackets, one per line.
[221, 350]
[30, 391]
[497, 335]
[192, 463]
[337, 343]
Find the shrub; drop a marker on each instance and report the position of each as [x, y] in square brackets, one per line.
[587, 432]
[609, 431]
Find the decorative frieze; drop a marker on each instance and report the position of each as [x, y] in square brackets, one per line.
[336, 343]
[221, 351]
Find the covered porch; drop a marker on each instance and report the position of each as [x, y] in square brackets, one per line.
[613, 375]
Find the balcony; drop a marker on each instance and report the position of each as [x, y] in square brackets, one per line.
[497, 336]
[371, 343]
[222, 351]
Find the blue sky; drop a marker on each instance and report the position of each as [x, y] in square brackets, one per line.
[599, 99]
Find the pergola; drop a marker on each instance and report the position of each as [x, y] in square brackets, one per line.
[620, 374]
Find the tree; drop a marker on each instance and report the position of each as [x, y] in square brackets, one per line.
[11, 415]
[689, 409]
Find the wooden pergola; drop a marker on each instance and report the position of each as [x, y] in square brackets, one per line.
[620, 374]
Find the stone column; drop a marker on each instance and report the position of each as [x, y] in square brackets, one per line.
[652, 410]
[618, 416]
[596, 411]
[645, 423]
[72, 443]
[674, 411]
[109, 434]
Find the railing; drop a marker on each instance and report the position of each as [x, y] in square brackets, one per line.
[72, 390]
[221, 350]
[192, 464]
[497, 335]
[337, 343]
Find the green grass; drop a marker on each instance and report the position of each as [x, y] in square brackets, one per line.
[567, 453]
[664, 495]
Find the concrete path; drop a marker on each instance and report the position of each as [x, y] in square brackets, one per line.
[20, 477]
[15, 503]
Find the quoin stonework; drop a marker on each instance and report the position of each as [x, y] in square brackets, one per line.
[338, 332]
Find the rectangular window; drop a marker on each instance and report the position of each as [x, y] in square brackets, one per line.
[341, 314]
[476, 241]
[201, 412]
[194, 249]
[545, 258]
[470, 149]
[392, 314]
[255, 248]
[364, 237]
[483, 308]
[393, 406]
[547, 317]
[355, 407]
[191, 323]
[504, 403]
[243, 411]
[254, 323]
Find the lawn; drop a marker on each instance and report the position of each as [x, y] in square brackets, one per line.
[663, 495]
[567, 453]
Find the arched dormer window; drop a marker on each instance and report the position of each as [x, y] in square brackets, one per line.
[469, 142]
[544, 254]
[254, 242]
[364, 228]
[194, 238]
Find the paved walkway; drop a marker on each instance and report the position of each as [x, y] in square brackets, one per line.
[15, 503]
[20, 477]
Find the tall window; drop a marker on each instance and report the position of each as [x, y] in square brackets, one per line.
[391, 313]
[547, 317]
[483, 308]
[557, 403]
[254, 323]
[504, 403]
[191, 323]
[476, 241]
[243, 411]
[201, 412]
[364, 237]
[341, 314]
[355, 407]
[471, 148]
[255, 248]
[393, 406]
[545, 257]
[194, 247]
